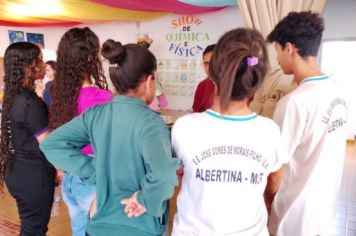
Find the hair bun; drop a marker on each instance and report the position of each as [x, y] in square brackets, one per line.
[113, 51]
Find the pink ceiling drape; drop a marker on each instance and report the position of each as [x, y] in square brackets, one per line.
[68, 13]
[174, 6]
[40, 24]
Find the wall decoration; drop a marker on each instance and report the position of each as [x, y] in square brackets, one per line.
[167, 88]
[191, 90]
[210, 3]
[174, 90]
[192, 64]
[175, 77]
[175, 64]
[183, 90]
[167, 77]
[192, 77]
[34, 13]
[179, 77]
[16, 36]
[183, 77]
[187, 38]
[35, 38]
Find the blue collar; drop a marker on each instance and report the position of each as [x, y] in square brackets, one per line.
[231, 118]
[316, 78]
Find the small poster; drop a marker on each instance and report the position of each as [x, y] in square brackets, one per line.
[167, 88]
[175, 64]
[183, 77]
[167, 64]
[175, 77]
[192, 77]
[191, 90]
[166, 77]
[179, 77]
[183, 64]
[35, 38]
[160, 65]
[174, 90]
[192, 64]
[16, 36]
[183, 90]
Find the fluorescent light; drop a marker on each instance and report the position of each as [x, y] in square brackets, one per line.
[34, 8]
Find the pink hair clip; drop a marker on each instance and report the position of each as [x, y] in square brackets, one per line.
[252, 61]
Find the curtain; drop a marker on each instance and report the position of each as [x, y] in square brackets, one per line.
[263, 15]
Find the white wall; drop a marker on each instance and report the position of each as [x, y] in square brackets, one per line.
[340, 20]
[51, 36]
[215, 24]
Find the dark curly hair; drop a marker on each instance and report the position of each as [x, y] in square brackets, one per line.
[52, 64]
[235, 79]
[77, 60]
[303, 29]
[131, 62]
[20, 62]
[209, 48]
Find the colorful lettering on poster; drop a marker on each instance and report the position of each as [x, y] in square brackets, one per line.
[187, 42]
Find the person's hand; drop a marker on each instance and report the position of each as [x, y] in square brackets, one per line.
[93, 209]
[132, 206]
[268, 207]
[59, 176]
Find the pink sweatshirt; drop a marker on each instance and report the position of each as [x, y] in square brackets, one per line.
[89, 97]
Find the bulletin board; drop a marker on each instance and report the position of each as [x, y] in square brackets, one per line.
[179, 77]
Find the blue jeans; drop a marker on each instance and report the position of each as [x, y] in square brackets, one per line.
[78, 195]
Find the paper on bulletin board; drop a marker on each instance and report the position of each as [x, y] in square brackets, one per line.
[180, 77]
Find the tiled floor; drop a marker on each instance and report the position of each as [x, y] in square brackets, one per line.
[344, 222]
[9, 220]
[345, 217]
[8, 229]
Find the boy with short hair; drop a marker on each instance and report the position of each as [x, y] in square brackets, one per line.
[312, 119]
[203, 97]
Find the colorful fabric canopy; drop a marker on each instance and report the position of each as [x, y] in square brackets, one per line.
[211, 3]
[162, 5]
[72, 12]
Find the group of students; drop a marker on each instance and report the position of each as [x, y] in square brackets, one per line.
[116, 153]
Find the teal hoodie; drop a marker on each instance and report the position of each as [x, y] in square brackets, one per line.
[132, 153]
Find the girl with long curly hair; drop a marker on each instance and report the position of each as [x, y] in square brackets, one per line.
[78, 85]
[28, 175]
[133, 163]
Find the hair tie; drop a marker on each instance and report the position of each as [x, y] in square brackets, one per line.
[252, 61]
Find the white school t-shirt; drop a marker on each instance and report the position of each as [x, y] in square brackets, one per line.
[226, 163]
[312, 119]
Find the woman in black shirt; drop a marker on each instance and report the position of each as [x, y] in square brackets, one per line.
[28, 175]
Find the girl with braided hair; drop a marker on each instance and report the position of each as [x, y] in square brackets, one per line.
[28, 175]
[78, 85]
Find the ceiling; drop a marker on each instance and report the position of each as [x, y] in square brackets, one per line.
[72, 12]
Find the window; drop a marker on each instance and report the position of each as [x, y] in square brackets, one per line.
[338, 59]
